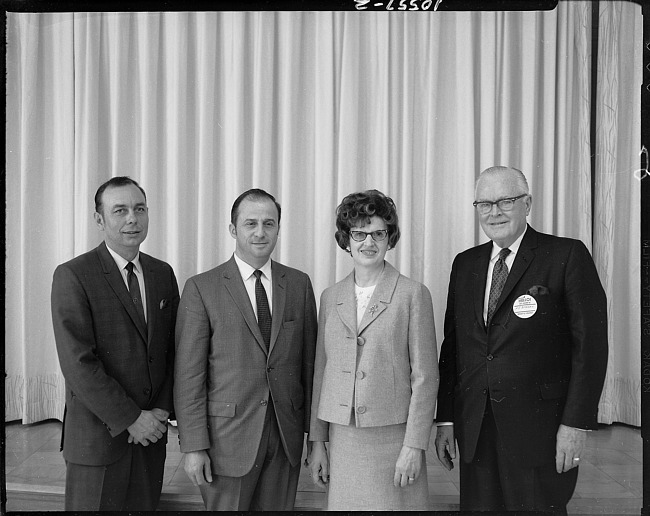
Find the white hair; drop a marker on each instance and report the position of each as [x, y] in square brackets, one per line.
[519, 177]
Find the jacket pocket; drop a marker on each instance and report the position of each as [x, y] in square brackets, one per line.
[221, 408]
[549, 391]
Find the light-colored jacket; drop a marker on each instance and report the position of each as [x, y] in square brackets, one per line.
[387, 370]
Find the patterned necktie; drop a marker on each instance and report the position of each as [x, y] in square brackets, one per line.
[263, 310]
[499, 276]
[134, 290]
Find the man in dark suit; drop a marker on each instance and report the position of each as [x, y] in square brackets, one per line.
[245, 345]
[114, 311]
[523, 360]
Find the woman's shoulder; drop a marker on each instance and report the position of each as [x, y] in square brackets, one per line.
[412, 287]
[334, 291]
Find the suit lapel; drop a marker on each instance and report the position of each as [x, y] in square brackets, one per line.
[480, 279]
[381, 297]
[346, 306]
[525, 256]
[114, 278]
[235, 285]
[279, 298]
[151, 282]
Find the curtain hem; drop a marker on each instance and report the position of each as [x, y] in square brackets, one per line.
[35, 398]
[620, 402]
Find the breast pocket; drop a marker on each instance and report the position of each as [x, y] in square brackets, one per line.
[288, 330]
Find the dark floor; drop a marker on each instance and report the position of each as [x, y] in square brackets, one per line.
[610, 480]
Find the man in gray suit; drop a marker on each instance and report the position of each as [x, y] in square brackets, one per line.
[245, 344]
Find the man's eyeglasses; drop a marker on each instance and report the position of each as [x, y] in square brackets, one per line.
[377, 236]
[485, 207]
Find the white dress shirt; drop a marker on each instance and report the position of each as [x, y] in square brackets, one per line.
[137, 269]
[248, 277]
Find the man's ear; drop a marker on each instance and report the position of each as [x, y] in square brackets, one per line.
[99, 220]
[233, 230]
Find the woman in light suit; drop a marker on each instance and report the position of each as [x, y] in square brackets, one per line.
[376, 372]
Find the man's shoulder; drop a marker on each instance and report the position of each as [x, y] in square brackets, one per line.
[559, 246]
[289, 272]
[153, 262]
[215, 273]
[87, 260]
[548, 239]
[473, 252]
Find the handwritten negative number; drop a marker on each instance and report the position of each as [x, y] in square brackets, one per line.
[402, 6]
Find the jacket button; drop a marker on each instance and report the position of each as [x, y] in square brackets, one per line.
[269, 369]
[146, 391]
[490, 356]
[360, 341]
[361, 409]
[360, 374]
[264, 403]
[150, 360]
[485, 391]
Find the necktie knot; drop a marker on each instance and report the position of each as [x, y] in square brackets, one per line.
[257, 273]
[503, 254]
[129, 267]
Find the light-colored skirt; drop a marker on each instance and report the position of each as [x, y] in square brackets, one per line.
[362, 468]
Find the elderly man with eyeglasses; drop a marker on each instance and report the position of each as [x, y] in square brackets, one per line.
[523, 360]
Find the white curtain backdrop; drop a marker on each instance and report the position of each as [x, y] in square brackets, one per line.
[199, 107]
[617, 243]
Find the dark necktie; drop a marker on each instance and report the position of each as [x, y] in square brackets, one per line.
[263, 310]
[499, 276]
[134, 290]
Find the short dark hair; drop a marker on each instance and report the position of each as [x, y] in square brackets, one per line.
[255, 194]
[357, 208]
[114, 181]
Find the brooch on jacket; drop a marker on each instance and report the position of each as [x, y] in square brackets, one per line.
[373, 309]
[164, 303]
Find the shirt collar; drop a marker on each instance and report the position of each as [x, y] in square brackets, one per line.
[121, 262]
[246, 270]
[513, 248]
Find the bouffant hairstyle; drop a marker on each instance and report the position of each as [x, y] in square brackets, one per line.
[356, 210]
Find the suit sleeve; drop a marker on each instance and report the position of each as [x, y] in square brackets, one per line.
[319, 429]
[191, 370]
[587, 316]
[423, 355]
[310, 331]
[447, 362]
[76, 346]
[165, 397]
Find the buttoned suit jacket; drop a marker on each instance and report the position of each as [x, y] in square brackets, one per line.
[225, 375]
[395, 380]
[113, 365]
[541, 371]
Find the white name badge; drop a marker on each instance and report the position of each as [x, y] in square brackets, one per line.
[525, 306]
